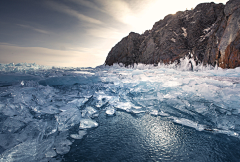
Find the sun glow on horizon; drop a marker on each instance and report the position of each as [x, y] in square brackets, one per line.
[148, 13]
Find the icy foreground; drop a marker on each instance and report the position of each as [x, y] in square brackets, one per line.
[44, 109]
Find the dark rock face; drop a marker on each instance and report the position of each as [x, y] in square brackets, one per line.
[210, 32]
[126, 50]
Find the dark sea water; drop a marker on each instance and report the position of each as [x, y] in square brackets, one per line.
[141, 113]
[128, 137]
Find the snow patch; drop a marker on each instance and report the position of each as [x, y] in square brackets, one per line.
[185, 32]
[207, 32]
[174, 40]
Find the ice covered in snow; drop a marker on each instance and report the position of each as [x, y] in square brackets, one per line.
[42, 109]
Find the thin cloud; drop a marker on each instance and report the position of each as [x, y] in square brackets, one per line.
[67, 10]
[35, 29]
[118, 9]
[87, 4]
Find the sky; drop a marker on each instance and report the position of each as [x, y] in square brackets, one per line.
[76, 33]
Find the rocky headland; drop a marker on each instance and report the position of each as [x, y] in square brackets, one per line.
[210, 33]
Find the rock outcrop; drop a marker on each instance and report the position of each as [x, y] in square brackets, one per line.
[210, 32]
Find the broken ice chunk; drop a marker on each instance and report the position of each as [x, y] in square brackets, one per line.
[63, 146]
[44, 146]
[102, 99]
[8, 141]
[49, 110]
[123, 105]
[135, 111]
[80, 134]
[10, 110]
[88, 112]
[163, 113]
[110, 111]
[30, 132]
[12, 125]
[75, 136]
[68, 118]
[78, 102]
[188, 123]
[87, 123]
[154, 112]
[1, 106]
[22, 152]
[51, 153]
[50, 127]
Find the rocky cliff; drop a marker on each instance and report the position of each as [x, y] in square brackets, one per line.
[210, 32]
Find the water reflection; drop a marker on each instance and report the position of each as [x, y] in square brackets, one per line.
[144, 137]
[161, 137]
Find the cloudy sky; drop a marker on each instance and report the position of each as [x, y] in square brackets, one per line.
[76, 33]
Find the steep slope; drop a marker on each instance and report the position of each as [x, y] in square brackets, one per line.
[210, 32]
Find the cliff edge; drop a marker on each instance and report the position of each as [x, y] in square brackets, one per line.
[210, 32]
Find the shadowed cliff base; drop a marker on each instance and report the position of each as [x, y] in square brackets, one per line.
[210, 33]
